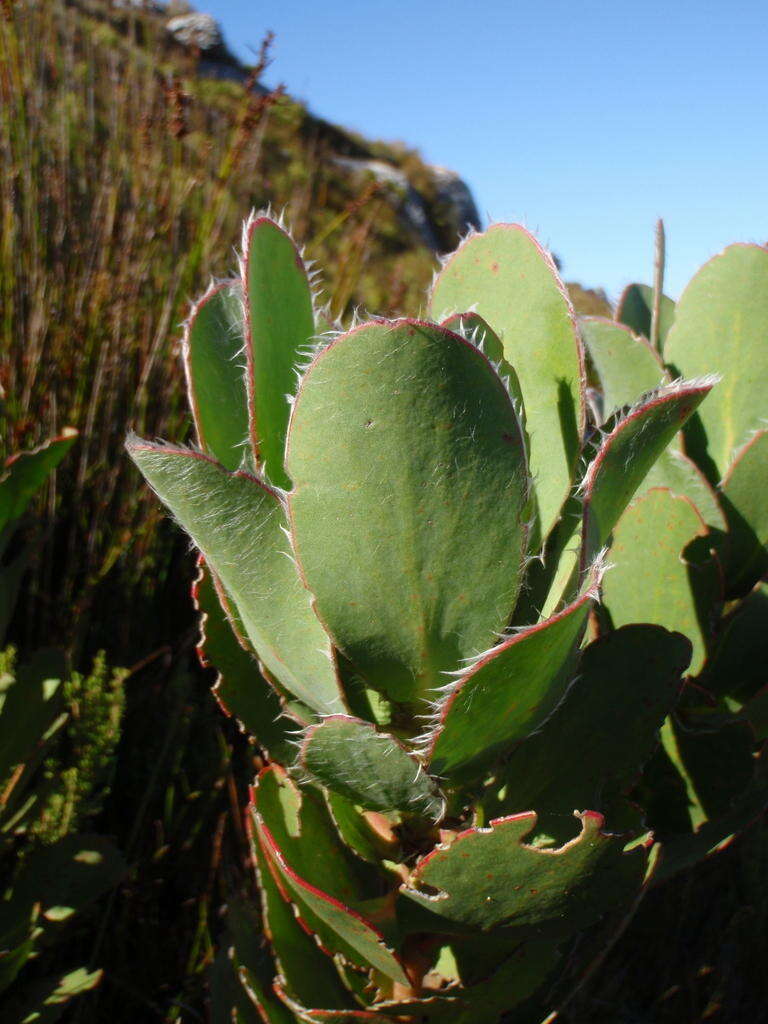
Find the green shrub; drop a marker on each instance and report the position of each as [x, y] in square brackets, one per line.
[412, 545]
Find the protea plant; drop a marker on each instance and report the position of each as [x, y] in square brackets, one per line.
[402, 530]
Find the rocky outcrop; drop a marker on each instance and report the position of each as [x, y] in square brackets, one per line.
[410, 205]
[198, 31]
[455, 201]
[201, 34]
[436, 213]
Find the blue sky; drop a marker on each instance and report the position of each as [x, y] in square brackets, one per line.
[583, 121]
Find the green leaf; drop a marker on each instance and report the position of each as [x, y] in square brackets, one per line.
[279, 323]
[256, 967]
[30, 702]
[65, 877]
[680, 852]
[489, 878]
[508, 693]
[370, 768]
[24, 474]
[603, 732]
[410, 484]
[720, 327]
[308, 972]
[230, 1002]
[214, 365]
[627, 454]
[302, 828]
[356, 829]
[240, 689]
[340, 928]
[335, 893]
[46, 1000]
[238, 523]
[673, 469]
[661, 572]
[635, 310]
[507, 277]
[626, 365]
[472, 325]
[518, 976]
[745, 497]
[737, 665]
[17, 943]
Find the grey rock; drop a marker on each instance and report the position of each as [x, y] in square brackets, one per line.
[196, 30]
[450, 216]
[410, 204]
[139, 5]
[455, 197]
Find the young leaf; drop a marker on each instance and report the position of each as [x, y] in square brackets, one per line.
[370, 768]
[279, 323]
[214, 363]
[627, 454]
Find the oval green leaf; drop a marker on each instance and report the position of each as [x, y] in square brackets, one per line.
[407, 513]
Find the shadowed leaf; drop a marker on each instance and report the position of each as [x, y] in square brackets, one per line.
[603, 732]
[663, 572]
[635, 310]
[746, 507]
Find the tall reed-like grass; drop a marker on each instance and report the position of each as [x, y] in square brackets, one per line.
[125, 177]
